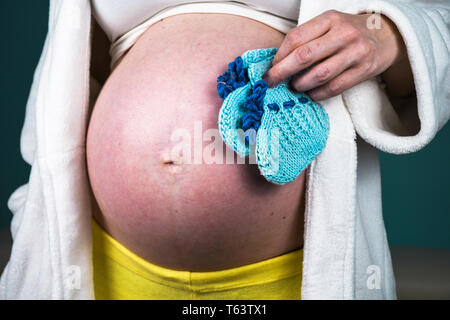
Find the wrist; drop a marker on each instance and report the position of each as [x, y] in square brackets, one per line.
[398, 75]
[392, 38]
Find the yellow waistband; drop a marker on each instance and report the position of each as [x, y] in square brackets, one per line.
[267, 271]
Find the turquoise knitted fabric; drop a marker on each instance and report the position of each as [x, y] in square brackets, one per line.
[286, 130]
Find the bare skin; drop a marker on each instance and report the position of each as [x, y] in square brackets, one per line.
[346, 52]
[207, 217]
[198, 217]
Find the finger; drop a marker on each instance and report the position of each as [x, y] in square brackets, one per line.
[303, 57]
[302, 34]
[325, 71]
[344, 81]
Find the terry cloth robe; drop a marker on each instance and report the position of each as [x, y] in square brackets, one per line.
[346, 254]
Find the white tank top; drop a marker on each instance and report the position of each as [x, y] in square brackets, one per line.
[124, 21]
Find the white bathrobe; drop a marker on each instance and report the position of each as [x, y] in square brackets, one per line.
[346, 254]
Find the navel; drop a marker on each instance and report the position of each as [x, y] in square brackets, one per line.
[171, 162]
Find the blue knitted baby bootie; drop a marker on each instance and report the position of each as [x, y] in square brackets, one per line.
[285, 129]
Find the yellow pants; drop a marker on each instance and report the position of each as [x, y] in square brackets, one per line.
[121, 274]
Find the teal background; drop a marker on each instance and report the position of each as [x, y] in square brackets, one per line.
[416, 187]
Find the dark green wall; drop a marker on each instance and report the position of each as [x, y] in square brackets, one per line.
[416, 187]
[416, 194]
[24, 26]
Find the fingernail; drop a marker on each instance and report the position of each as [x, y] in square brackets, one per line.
[313, 95]
[267, 79]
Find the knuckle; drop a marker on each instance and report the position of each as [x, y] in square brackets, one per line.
[333, 14]
[353, 32]
[291, 38]
[303, 54]
[350, 32]
[367, 67]
[323, 74]
[334, 88]
[364, 48]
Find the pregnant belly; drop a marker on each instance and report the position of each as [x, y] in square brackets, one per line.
[155, 169]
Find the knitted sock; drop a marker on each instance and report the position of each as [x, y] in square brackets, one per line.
[286, 130]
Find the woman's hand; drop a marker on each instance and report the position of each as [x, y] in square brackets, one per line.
[345, 52]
